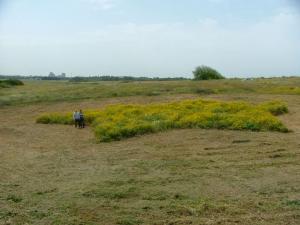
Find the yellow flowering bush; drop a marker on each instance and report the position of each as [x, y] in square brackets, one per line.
[122, 121]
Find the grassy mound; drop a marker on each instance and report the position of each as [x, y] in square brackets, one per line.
[10, 82]
[122, 121]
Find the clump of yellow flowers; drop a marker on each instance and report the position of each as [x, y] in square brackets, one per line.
[122, 121]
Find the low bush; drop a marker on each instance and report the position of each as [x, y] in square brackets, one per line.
[122, 121]
[10, 82]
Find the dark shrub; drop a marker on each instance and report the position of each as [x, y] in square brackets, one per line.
[206, 73]
[11, 82]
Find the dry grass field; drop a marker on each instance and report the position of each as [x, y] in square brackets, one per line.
[59, 175]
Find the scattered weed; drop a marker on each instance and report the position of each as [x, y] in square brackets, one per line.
[293, 203]
[240, 141]
[204, 91]
[14, 198]
[112, 193]
[128, 221]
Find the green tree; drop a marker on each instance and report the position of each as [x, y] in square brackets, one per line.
[206, 73]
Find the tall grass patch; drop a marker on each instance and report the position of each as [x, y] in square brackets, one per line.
[120, 121]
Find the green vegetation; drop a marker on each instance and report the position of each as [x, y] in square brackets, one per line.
[60, 91]
[122, 121]
[206, 73]
[15, 199]
[122, 78]
[10, 82]
[59, 175]
[293, 203]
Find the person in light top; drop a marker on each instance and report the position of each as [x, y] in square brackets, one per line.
[76, 118]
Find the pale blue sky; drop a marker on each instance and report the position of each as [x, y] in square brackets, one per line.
[149, 37]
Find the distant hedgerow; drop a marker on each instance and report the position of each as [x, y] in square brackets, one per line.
[116, 122]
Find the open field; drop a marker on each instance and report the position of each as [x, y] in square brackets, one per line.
[59, 91]
[56, 174]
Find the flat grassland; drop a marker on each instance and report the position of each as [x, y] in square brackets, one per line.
[59, 175]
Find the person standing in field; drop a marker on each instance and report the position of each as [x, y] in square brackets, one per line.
[81, 119]
[76, 118]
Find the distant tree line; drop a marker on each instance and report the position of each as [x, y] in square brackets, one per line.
[200, 73]
[92, 78]
[122, 78]
[30, 77]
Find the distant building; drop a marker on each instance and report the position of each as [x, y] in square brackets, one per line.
[51, 74]
[63, 75]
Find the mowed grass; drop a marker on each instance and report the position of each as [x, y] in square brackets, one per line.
[60, 91]
[59, 175]
[122, 121]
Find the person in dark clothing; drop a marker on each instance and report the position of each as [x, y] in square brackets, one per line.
[81, 120]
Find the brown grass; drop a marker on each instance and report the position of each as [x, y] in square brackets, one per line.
[60, 175]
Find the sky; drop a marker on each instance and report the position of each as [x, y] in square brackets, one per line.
[165, 38]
